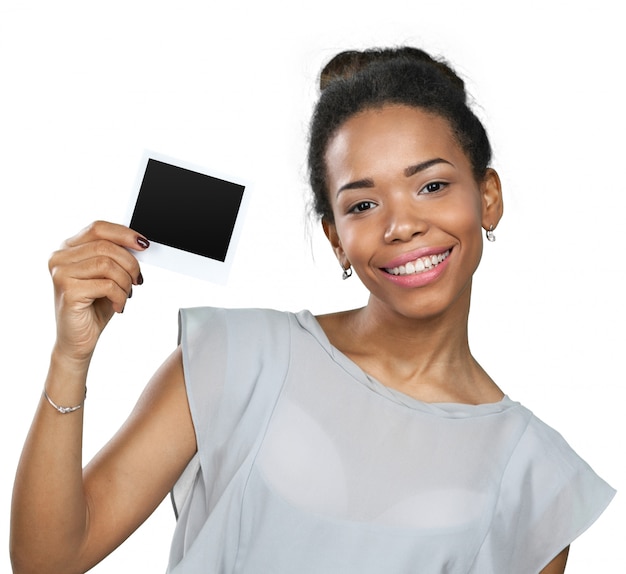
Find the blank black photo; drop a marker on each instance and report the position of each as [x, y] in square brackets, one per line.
[187, 210]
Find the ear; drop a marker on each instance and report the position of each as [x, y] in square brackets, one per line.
[491, 194]
[330, 230]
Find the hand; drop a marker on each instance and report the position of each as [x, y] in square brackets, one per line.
[93, 274]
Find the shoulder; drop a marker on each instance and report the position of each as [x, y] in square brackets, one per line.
[202, 323]
[235, 343]
[548, 496]
[542, 445]
[233, 359]
[547, 480]
[207, 315]
[542, 460]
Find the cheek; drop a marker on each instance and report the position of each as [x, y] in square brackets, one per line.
[353, 241]
[465, 216]
[465, 224]
[468, 223]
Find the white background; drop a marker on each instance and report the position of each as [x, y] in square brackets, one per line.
[85, 87]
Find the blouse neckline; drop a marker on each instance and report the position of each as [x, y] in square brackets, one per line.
[448, 410]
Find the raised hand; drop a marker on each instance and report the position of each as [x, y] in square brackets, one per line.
[93, 275]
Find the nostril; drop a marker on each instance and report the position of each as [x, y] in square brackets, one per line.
[404, 232]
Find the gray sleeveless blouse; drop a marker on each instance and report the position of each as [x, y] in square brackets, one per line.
[307, 465]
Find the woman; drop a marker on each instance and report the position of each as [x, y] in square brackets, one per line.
[363, 441]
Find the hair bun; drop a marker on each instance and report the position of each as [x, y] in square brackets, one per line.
[350, 62]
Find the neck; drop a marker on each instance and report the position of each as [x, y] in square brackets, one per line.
[426, 357]
[427, 340]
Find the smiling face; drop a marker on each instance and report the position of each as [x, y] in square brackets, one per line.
[408, 211]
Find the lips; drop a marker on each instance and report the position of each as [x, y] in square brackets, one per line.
[419, 264]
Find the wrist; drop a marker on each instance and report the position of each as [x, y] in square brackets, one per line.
[63, 409]
[62, 360]
[65, 387]
[67, 378]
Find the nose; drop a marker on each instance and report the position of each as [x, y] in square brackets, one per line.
[404, 222]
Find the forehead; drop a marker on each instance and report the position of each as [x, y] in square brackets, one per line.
[391, 136]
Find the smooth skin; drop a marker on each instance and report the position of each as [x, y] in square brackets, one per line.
[399, 183]
[409, 338]
[65, 519]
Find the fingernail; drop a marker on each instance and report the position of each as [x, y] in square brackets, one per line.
[140, 279]
[130, 295]
[143, 242]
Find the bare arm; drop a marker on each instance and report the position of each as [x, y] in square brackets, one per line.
[557, 566]
[65, 519]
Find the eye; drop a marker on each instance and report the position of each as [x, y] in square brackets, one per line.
[361, 207]
[433, 187]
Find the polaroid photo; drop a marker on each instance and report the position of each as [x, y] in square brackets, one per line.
[192, 216]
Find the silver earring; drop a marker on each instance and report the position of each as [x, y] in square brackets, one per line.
[347, 272]
[490, 234]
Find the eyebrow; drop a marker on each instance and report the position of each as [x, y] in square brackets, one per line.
[413, 169]
[408, 172]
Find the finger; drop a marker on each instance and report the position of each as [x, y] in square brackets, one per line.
[76, 281]
[82, 293]
[98, 267]
[118, 234]
[94, 256]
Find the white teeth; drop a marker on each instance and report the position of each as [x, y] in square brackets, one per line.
[419, 265]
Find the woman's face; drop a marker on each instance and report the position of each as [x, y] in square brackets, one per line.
[408, 212]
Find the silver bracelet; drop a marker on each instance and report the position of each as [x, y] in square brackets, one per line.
[64, 410]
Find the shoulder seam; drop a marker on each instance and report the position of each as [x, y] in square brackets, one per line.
[497, 497]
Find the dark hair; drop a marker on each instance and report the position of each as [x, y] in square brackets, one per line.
[355, 81]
